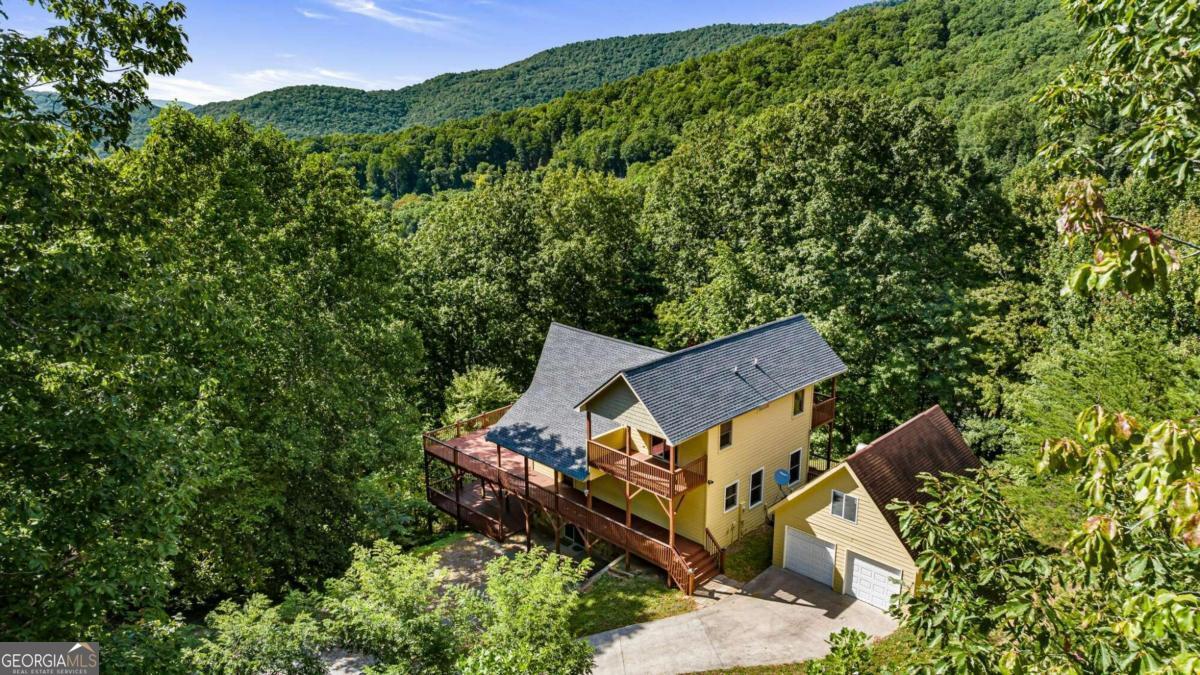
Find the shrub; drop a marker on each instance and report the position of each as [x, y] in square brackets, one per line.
[255, 638]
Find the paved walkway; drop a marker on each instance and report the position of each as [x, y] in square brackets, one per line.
[779, 617]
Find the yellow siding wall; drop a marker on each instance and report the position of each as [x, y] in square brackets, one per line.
[871, 536]
[762, 438]
[689, 521]
[619, 404]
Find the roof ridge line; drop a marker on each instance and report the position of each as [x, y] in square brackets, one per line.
[919, 416]
[714, 341]
[609, 337]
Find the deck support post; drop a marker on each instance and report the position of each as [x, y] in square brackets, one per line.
[502, 505]
[832, 426]
[671, 497]
[525, 508]
[557, 517]
[628, 503]
[457, 491]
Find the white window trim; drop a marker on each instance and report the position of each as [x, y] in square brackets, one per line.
[725, 447]
[737, 495]
[804, 395]
[844, 498]
[762, 487]
[800, 473]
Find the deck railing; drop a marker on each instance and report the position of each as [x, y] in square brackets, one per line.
[823, 411]
[466, 426]
[647, 474]
[575, 513]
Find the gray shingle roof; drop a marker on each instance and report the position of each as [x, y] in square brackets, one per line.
[543, 424]
[697, 388]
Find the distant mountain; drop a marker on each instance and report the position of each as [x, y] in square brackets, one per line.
[162, 103]
[312, 110]
[141, 118]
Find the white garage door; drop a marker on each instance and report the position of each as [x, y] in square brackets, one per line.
[807, 555]
[872, 582]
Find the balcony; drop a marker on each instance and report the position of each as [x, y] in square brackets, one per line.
[646, 472]
[823, 409]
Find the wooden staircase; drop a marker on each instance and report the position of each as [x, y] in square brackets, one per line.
[704, 565]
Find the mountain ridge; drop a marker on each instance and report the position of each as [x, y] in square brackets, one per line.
[316, 109]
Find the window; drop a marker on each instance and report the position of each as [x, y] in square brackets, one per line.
[798, 402]
[726, 434]
[731, 496]
[844, 506]
[794, 460]
[756, 488]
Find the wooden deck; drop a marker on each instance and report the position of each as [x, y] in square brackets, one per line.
[498, 470]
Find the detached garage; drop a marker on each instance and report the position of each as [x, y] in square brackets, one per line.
[836, 530]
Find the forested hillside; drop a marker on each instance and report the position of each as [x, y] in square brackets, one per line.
[977, 61]
[312, 110]
[218, 355]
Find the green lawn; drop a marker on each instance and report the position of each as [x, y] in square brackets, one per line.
[613, 602]
[750, 555]
[440, 543]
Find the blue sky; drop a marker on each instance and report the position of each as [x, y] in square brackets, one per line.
[239, 48]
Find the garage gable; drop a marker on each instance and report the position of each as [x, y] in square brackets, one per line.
[870, 535]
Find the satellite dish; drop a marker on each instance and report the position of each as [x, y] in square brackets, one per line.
[781, 477]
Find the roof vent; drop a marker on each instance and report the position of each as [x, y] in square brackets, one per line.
[756, 362]
[735, 370]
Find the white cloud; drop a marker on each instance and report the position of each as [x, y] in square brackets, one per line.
[310, 14]
[425, 22]
[183, 89]
[243, 84]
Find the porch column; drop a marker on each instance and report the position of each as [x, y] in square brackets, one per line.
[832, 425]
[557, 518]
[628, 511]
[671, 498]
[587, 446]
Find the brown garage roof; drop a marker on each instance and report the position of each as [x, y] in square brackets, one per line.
[888, 467]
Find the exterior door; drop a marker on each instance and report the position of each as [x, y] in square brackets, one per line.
[807, 555]
[872, 582]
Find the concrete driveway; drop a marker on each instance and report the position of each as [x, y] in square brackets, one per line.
[779, 617]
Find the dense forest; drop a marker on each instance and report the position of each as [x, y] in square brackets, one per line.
[219, 349]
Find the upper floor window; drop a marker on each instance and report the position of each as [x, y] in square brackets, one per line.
[844, 506]
[727, 434]
[756, 488]
[731, 496]
[798, 402]
[794, 461]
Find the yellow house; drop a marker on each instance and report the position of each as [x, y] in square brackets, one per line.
[667, 456]
[837, 530]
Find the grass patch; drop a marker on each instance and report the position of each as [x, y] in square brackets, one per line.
[613, 602]
[895, 653]
[751, 555]
[440, 543]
